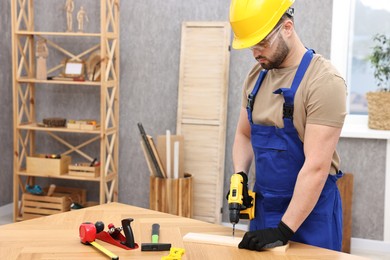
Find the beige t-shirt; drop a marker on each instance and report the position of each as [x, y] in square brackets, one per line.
[320, 98]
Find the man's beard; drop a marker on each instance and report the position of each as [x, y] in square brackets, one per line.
[280, 55]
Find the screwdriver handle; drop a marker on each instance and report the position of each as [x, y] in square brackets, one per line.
[155, 232]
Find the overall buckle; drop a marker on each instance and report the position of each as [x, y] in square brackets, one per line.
[288, 111]
[251, 101]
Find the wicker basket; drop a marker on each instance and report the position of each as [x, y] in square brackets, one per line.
[378, 110]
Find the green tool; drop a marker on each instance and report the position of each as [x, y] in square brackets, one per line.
[155, 232]
[155, 245]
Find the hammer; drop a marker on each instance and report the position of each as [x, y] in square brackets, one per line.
[87, 233]
[155, 245]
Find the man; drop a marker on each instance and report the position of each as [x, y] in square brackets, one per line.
[292, 113]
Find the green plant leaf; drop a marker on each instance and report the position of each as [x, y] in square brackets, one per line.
[380, 60]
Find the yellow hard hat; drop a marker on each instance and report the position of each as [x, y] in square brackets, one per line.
[253, 20]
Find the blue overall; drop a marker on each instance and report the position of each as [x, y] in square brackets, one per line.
[279, 157]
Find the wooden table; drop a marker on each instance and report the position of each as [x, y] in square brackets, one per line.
[57, 237]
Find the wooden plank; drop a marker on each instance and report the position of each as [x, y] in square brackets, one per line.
[155, 153]
[151, 149]
[202, 106]
[149, 161]
[222, 241]
[345, 185]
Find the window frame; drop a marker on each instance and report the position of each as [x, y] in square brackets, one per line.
[355, 126]
[342, 35]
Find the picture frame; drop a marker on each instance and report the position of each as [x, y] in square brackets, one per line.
[74, 69]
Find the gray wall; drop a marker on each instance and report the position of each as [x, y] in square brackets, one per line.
[365, 159]
[150, 53]
[5, 104]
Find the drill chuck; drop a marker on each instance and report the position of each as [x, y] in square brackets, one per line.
[234, 212]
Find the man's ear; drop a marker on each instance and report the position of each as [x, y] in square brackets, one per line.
[288, 27]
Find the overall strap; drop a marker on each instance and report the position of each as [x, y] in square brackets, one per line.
[289, 93]
[252, 95]
[305, 62]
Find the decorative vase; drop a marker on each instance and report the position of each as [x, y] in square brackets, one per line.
[378, 110]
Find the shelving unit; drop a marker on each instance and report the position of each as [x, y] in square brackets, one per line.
[24, 37]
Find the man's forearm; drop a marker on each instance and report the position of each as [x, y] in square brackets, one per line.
[307, 191]
[242, 153]
[320, 143]
[242, 147]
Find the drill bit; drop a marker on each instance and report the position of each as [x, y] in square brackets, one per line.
[234, 226]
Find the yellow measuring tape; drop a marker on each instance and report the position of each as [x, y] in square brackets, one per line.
[104, 250]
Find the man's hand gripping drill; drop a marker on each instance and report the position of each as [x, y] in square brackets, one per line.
[241, 200]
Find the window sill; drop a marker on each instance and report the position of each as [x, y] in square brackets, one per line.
[356, 126]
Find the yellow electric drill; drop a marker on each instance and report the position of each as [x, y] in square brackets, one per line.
[241, 200]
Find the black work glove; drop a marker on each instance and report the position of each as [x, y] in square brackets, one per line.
[266, 238]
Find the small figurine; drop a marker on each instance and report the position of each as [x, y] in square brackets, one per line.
[81, 15]
[69, 7]
[42, 52]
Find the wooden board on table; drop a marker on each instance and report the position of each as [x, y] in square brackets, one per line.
[222, 241]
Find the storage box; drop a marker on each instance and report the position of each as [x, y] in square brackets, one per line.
[72, 126]
[39, 164]
[89, 127]
[83, 124]
[84, 170]
[34, 206]
[173, 196]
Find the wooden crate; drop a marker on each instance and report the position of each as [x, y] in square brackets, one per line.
[34, 206]
[84, 170]
[83, 124]
[39, 164]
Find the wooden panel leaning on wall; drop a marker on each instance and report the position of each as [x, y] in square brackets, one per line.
[202, 106]
[345, 185]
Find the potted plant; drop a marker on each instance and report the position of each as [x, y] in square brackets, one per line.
[379, 101]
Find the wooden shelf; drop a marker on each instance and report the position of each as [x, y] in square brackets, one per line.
[109, 35]
[64, 82]
[65, 34]
[94, 48]
[110, 176]
[34, 126]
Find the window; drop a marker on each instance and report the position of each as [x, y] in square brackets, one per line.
[354, 24]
